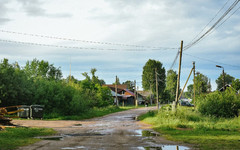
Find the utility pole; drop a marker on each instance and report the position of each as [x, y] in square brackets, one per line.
[178, 79]
[223, 80]
[157, 88]
[70, 77]
[194, 86]
[116, 92]
[135, 92]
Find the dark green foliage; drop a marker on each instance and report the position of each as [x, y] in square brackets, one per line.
[201, 83]
[236, 84]
[130, 85]
[40, 83]
[171, 84]
[228, 80]
[149, 79]
[220, 104]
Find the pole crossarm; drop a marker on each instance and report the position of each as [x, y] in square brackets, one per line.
[185, 84]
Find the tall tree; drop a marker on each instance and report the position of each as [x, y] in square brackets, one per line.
[42, 69]
[118, 81]
[189, 92]
[236, 84]
[228, 80]
[171, 84]
[201, 83]
[130, 84]
[148, 76]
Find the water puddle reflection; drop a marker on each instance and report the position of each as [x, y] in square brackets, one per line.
[76, 147]
[165, 147]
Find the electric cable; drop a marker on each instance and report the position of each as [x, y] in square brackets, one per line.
[212, 61]
[85, 41]
[213, 26]
[76, 47]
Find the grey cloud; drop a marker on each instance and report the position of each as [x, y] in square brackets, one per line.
[3, 11]
[34, 8]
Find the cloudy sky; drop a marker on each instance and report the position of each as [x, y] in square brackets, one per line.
[117, 37]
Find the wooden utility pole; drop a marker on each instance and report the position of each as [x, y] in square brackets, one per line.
[116, 92]
[70, 77]
[185, 84]
[156, 75]
[135, 92]
[194, 86]
[223, 80]
[179, 72]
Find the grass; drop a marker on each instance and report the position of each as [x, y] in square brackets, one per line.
[92, 113]
[187, 125]
[11, 138]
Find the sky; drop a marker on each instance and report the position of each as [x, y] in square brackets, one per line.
[118, 37]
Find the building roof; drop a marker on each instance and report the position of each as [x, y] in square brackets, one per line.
[119, 86]
[144, 93]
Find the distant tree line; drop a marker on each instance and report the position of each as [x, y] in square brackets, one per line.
[39, 82]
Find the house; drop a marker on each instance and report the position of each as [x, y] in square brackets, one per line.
[127, 97]
[124, 95]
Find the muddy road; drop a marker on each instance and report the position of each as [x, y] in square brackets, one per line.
[118, 131]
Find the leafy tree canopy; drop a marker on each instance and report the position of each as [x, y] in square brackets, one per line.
[171, 83]
[130, 84]
[201, 83]
[236, 84]
[228, 80]
[148, 76]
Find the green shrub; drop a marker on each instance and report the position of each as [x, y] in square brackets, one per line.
[220, 104]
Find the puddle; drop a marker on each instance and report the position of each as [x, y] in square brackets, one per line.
[54, 138]
[146, 133]
[149, 133]
[84, 134]
[76, 147]
[164, 147]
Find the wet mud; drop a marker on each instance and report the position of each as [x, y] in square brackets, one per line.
[118, 131]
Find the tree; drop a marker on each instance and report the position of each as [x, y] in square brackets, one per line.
[189, 92]
[42, 69]
[118, 81]
[201, 83]
[228, 80]
[171, 84]
[236, 84]
[130, 84]
[149, 79]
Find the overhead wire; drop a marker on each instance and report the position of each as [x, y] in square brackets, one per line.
[76, 47]
[210, 21]
[209, 60]
[85, 41]
[212, 27]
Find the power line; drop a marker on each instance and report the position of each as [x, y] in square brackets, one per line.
[175, 59]
[210, 21]
[76, 47]
[213, 26]
[84, 41]
[210, 60]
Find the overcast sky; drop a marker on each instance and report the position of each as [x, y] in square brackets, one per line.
[129, 33]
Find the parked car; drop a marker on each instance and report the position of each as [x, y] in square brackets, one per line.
[185, 103]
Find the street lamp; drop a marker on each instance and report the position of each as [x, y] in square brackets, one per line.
[223, 76]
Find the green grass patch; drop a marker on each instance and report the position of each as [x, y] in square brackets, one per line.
[11, 138]
[92, 113]
[189, 126]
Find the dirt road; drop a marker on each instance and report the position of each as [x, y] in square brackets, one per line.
[118, 131]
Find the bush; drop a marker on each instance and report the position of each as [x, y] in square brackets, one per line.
[220, 104]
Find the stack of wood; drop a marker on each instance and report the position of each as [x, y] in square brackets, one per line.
[4, 120]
